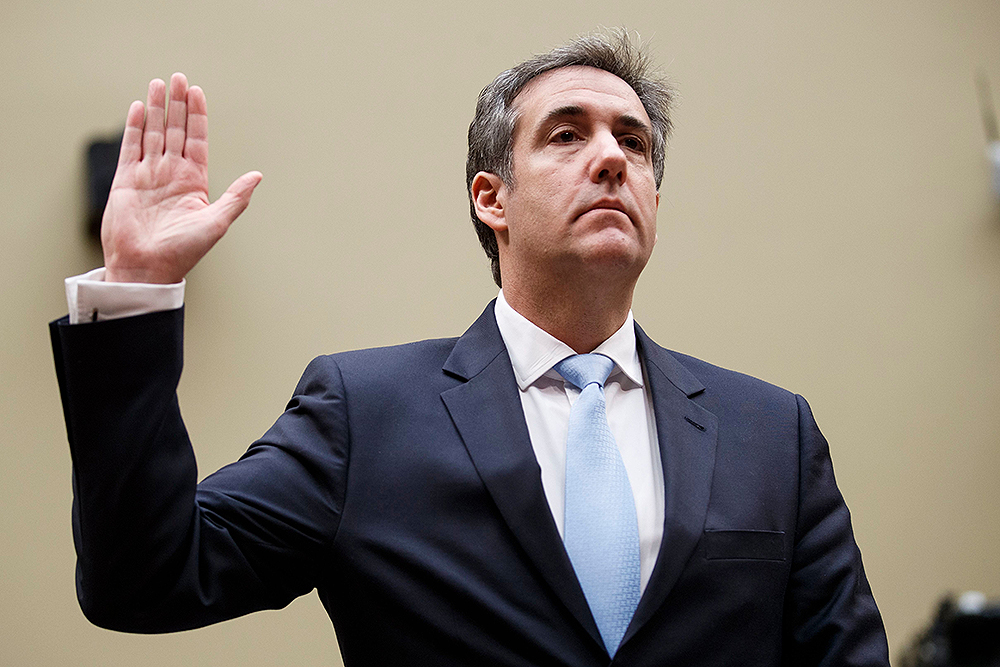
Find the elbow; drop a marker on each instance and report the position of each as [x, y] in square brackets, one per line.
[101, 611]
[106, 606]
[100, 615]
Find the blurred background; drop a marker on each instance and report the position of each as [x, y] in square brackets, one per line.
[827, 223]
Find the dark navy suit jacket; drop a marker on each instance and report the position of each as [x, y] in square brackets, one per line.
[401, 483]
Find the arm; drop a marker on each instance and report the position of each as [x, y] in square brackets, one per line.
[157, 552]
[830, 615]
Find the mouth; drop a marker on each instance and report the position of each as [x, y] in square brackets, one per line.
[608, 204]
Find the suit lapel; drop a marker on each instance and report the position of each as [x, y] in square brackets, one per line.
[687, 435]
[486, 410]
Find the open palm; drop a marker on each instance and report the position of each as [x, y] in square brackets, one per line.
[159, 222]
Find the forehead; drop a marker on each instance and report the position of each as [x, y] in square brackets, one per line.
[592, 89]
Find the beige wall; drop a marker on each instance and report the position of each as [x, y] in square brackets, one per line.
[826, 224]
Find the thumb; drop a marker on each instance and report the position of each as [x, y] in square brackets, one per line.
[236, 198]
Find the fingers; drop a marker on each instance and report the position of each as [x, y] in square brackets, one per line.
[235, 199]
[196, 145]
[152, 138]
[131, 150]
[181, 129]
[177, 114]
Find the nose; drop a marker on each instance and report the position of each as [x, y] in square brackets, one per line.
[609, 162]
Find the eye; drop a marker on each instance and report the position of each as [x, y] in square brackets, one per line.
[564, 136]
[634, 143]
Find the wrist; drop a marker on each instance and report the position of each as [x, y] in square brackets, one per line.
[139, 275]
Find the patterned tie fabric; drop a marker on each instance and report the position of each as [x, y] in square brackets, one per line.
[601, 531]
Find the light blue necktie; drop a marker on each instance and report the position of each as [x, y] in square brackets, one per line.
[601, 530]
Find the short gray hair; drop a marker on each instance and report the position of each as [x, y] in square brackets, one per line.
[491, 133]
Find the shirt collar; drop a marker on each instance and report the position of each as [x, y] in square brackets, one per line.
[533, 352]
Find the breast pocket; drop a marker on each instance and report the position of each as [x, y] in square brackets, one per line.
[744, 544]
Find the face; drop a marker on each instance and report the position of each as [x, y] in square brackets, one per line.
[584, 198]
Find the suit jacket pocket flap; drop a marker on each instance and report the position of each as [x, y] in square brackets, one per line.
[749, 544]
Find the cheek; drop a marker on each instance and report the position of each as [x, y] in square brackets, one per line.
[529, 223]
[648, 204]
[536, 210]
[651, 199]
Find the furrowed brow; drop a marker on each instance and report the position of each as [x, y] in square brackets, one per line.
[633, 123]
[572, 110]
[568, 111]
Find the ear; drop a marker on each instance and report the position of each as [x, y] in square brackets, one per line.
[488, 195]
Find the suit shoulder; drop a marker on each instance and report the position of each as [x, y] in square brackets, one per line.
[748, 408]
[393, 363]
[723, 381]
[434, 350]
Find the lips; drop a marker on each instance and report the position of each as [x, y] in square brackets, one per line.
[612, 204]
[606, 205]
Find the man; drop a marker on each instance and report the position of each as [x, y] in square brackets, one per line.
[470, 501]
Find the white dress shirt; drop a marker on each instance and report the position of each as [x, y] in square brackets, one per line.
[90, 299]
[545, 397]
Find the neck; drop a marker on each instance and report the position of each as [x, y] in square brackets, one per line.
[583, 318]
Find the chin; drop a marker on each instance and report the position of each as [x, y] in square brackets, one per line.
[616, 249]
[612, 265]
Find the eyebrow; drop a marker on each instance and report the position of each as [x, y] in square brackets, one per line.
[572, 110]
[563, 112]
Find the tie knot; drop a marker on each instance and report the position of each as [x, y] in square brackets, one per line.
[583, 369]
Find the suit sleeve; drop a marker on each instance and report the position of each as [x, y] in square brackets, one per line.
[831, 619]
[157, 552]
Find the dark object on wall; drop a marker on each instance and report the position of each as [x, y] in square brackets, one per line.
[102, 158]
[965, 633]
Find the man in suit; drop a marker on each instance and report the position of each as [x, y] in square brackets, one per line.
[433, 492]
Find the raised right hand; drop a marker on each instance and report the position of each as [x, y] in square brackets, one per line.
[159, 222]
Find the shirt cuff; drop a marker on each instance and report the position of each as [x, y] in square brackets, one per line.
[91, 299]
